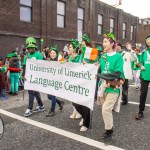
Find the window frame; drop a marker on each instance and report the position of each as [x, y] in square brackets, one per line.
[82, 20]
[61, 15]
[113, 27]
[132, 33]
[124, 36]
[31, 13]
[100, 24]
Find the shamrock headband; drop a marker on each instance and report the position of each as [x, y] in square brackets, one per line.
[109, 35]
[85, 37]
[74, 43]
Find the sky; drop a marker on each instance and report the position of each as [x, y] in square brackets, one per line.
[139, 8]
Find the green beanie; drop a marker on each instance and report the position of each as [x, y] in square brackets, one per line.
[54, 48]
[14, 54]
[31, 42]
[8, 56]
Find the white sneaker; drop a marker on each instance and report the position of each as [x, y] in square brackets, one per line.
[77, 116]
[81, 122]
[73, 115]
[83, 128]
[28, 113]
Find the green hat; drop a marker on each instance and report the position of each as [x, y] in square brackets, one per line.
[54, 48]
[14, 54]
[146, 39]
[31, 42]
[99, 48]
[8, 56]
[3, 69]
[85, 37]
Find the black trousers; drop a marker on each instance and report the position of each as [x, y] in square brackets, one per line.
[143, 95]
[125, 87]
[85, 113]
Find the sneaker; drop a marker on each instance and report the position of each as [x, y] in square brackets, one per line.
[83, 129]
[73, 115]
[61, 105]
[140, 115]
[81, 122]
[50, 114]
[77, 116]
[28, 113]
[39, 108]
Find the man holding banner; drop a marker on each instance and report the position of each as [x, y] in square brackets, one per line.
[32, 54]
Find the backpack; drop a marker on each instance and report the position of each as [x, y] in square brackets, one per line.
[15, 63]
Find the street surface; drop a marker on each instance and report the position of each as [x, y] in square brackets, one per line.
[61, 133]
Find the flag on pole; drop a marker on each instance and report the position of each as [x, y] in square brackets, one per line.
[91, 53]
[60, 58]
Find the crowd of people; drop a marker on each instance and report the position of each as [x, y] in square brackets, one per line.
[116, 67]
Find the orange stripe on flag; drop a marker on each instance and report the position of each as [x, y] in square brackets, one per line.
[94, 54]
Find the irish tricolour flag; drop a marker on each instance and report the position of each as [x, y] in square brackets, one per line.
[91, 53]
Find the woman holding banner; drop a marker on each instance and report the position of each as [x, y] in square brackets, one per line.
[83, 110]
[74, 57]
[111, 73]
[53, 56]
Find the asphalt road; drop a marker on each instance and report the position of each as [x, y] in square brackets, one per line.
[37, 131]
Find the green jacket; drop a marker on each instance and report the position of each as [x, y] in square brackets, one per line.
[145, 61]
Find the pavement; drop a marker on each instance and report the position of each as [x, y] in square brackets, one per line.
[61, 133]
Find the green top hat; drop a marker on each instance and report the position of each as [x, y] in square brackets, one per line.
[3, 69]
[99, 48]
[31, 42]
[14, 54]
[8, 56]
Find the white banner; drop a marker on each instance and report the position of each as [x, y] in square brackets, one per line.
[71, 81]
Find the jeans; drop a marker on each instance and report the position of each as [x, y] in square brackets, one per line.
[143, 95]
[54, 101]
[33, 94]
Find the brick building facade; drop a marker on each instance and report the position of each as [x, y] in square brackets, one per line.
[13, 31]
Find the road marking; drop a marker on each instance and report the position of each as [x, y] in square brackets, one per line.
[135, 103]
[134, 85]
[67, 134]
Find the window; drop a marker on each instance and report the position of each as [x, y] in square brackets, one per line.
[112, 25]
[132, 32]
[100, 24]
[61, 14]
[26, 10]
[80, 16]
[124, 31]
